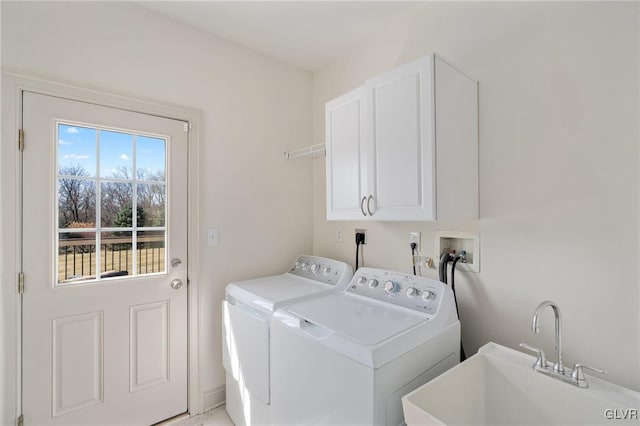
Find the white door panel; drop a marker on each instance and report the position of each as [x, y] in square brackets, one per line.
[397, 143]
[104, 333]
[77, 362]
[149, 345]
[402, 176]
[346, 168]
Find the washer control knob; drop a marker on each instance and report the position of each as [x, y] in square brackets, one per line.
[298, 265]
[412, 292]
[391, 287]
[362, 280]
[428, 295]
[305, 266]
[315, 268]
[373, 283]
[326, 270]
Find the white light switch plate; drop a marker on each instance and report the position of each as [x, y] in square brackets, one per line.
[212, 237]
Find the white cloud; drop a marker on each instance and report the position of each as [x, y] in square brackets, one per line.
[124, 157]
[72, 130]
[63, 142]
[75, 157]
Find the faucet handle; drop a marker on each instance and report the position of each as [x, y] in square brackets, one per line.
[578, 374]
[541, 362]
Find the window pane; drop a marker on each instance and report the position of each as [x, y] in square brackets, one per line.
[131, 183]
[116, 155]
[76, 203]
[76, 256]
[151, 204]
[76, 151]
[116, 205]
[151, 254]
[150, 158]
[116, 256]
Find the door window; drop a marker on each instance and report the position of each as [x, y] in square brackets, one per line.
[111, 215]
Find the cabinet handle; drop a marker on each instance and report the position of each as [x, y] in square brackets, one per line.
[362, 206]
[369, 205]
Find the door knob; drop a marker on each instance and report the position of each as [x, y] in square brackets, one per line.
[176, 284]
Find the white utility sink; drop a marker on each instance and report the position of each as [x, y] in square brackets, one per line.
[498, 386]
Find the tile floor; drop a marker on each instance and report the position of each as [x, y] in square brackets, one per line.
[216, 417]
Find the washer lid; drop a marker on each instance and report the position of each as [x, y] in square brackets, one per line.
[355, 318]
[267, 292]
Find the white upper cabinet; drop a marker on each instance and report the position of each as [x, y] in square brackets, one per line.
[405, 146]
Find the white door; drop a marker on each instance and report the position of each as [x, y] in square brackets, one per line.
[105, 264]
[346, 158]
[401, 178]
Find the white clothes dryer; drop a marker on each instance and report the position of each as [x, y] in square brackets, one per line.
[348, 358]
[247, 312]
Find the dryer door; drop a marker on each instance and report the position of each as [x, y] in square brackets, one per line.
[245, 342]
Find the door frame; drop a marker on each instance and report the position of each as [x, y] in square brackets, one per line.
[14, 83]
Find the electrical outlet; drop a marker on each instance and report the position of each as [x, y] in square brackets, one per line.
[361, 231]
[414, 237]
[339, 235]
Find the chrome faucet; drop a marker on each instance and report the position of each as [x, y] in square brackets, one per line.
[576, 377]
[558, 367]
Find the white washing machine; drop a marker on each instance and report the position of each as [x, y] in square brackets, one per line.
[247, 312]
[348, 358]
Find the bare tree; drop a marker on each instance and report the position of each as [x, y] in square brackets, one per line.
[77, 196]
[115, 196]
[151, 196]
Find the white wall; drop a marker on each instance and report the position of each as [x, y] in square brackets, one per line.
[253, 108]
[559, 111]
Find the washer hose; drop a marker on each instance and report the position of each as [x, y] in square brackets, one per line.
[442, 271]
[458, 258]
[442, 267]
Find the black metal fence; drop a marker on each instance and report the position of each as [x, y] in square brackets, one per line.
[77, 257]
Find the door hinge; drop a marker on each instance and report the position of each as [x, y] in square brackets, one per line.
[21, 140]
[21, 283]
[20, 421]
[187, 127]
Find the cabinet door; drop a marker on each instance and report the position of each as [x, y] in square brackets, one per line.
[345, 156]
[401, 177]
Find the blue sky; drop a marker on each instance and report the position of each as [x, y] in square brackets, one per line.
[77, 146]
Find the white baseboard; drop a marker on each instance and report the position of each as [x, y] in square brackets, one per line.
[213, 398]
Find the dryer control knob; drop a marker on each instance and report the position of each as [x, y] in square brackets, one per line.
[373, 283]
[362, 280]
[305, 266]
[391, 287]
[412, 292]
[315, 268]
[428, 295]
[326, 270]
